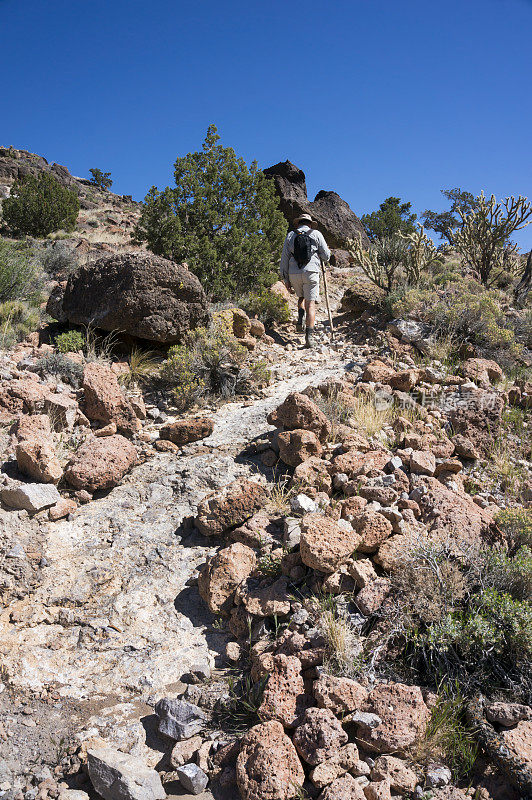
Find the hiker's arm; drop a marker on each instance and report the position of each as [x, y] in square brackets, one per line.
[323, 251]
[285, 258]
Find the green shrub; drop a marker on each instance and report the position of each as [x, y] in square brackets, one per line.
[60, 366]
[221, 217]
[211, 361]
[58, 259]
[39, 205]
[19, 274]
[270, 308]
[516, 523]
[70, 341]
[17, 320]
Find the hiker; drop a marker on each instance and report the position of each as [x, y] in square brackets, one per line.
[303, 250]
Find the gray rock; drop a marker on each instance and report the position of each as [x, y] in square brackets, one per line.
[119, 776]
[32, 497]
[507, 714]
[179, 719]
[365, 719]
[291, 532]
[192, 778]
[437, 775]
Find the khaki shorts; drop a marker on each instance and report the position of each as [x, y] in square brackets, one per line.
[306, 284]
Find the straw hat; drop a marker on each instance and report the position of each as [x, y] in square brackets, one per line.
[303, 218]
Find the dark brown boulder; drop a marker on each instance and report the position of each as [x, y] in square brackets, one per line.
[333, 216]
[363, 296]
[291, 189]
[135, 293]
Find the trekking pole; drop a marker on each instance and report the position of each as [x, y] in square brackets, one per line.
[327, 300]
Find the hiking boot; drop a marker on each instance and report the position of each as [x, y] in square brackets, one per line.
[310, 338]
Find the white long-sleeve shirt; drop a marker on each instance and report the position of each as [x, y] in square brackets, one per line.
[320, 252]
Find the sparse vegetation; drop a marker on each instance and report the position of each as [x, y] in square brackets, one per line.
[270, 308]
[101, 179]
[211, 361]
[449, 738]
[39, 205]
[70, 341]
[17, 320]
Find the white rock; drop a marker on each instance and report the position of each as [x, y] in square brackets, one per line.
[119, 776]
[437, 775]
[192, 778]
[31, 496]
[302, 504]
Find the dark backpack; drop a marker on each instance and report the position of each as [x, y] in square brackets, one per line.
[302, 249]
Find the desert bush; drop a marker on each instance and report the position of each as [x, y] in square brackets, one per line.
[58, 259]
[462, 311]
[70, 341]
[221, 218]
[516, 523]
[343, 648]
[17, 320]
[211, 361]
[20, 277]
[464, 613]
[39, 205]
[58, 365]
[267, 306]
[447, 222]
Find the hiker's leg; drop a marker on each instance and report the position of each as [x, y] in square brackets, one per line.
[312, 290]
[310, 308]
[300, 313]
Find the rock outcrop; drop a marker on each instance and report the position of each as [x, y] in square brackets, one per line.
[334, 218]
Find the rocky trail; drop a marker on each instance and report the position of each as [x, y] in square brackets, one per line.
[113, 618]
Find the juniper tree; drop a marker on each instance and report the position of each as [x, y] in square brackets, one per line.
[39, 205]
[221, 217]
[447, 222]
[101, 179]
[393, 217]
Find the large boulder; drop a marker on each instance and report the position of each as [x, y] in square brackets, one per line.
[333, 216]
[136, 293]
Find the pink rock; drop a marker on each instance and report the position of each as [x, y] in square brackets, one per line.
[101, 463]
[267, 767]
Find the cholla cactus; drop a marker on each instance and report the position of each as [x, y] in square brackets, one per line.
[421, 254]
[483, 240]
[396, 259]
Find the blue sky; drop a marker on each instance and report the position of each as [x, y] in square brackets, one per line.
[370, 98]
